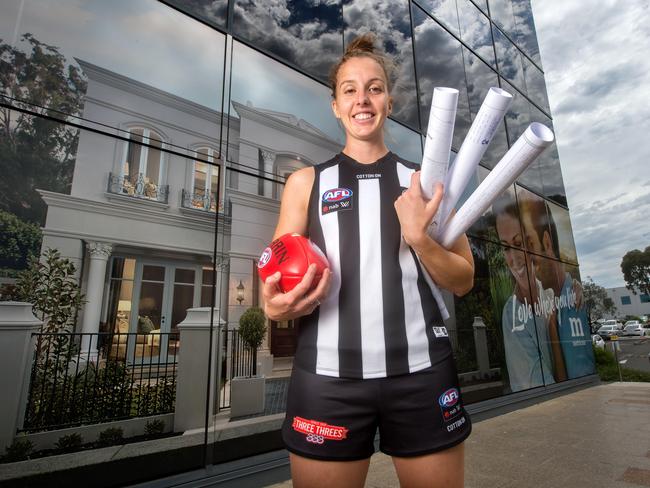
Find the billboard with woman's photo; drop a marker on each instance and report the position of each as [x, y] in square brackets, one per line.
[545, 331]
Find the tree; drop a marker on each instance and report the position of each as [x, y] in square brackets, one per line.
[19, 243]
[636, 270]
[252, 329]
[51, 287]
[597, 303]
[36, 153]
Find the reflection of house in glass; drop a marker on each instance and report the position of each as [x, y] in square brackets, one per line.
[140, 218]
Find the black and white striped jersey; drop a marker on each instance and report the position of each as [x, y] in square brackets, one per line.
[379, 316]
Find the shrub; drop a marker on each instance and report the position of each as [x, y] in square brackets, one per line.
[252, 328]
[110, 436]
[153, 427]
[18, 450]
[69, 443]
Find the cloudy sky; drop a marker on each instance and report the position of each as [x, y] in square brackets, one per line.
[597, 70]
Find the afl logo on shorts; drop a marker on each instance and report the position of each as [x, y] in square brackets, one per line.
[449, 403]
[336, 199]
[265, 258]
[449, 398]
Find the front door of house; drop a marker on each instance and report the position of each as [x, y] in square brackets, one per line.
[284, 338]
[162, 295]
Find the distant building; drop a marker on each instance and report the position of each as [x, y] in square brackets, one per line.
[628, 302]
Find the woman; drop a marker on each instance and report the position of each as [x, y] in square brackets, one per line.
[526, 333]
[372, 350]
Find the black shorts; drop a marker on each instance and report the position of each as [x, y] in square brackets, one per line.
[336, 419]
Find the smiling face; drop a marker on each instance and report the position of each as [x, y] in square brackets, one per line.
[509, 233]
[362, 101]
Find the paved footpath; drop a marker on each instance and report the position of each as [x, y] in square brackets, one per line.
[598, 437]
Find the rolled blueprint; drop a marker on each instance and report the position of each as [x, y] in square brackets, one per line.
[522, 153]
[437, 145]
[472, 149]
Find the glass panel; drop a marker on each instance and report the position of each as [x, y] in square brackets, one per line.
[479, 80]
[403, 142]
[307, 34]
[478, 307]
[389, 21]
[482, 4]
[183, 299]
[534, 221]
[514, 292]
[501, 13]
[200, 177]
[35, 154]
[509, 60]
[500, 222]
[119, 306]
[561, 284]
[518, 115]
[535, 85]
[207, 276]
[440, 63]
[564, 248]
[150, 307]
[475, 31]
[549, 165]
[278, 110]
[526, 37]
[214, 12]
[75, 60]
[153, 160]
[184, 276]
[445, 12]
[134, 150]
[153, 273]
[206, 296]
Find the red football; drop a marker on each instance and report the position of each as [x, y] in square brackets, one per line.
[291, 255]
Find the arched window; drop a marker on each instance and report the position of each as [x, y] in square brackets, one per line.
[205, 179]
[143, 167]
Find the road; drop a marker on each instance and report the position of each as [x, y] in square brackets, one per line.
[635, 351]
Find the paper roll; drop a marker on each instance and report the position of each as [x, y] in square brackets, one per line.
[522, 153]
[471, 151]
[437, 145]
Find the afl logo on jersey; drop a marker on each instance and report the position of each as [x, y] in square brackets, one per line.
[264, 258]
[336, 199]
[449, 398]
[336, 195]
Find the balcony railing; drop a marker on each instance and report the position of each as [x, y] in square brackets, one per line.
[137, 186]
[200, 201]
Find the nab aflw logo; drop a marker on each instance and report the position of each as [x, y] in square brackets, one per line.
[576, 327]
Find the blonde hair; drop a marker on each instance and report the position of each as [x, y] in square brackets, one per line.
[364, 46]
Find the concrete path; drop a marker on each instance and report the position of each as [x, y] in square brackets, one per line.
[598, 437]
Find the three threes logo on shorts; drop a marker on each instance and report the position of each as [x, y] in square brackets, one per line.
[449, 403]
[336, 199]
[317, 432]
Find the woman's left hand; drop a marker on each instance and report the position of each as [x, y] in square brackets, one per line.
[415, 213]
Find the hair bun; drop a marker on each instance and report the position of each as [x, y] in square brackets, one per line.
[364, 43]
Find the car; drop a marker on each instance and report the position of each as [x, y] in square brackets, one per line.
[633, 329]
[612, 322]
[598, 341]
[606, 331]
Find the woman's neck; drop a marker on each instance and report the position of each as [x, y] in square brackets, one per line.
[365, 152]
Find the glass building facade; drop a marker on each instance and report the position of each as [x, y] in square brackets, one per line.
[148, 143]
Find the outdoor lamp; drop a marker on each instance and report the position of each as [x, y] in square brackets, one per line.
[240, 292]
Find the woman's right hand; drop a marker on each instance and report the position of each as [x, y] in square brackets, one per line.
[297, 302]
